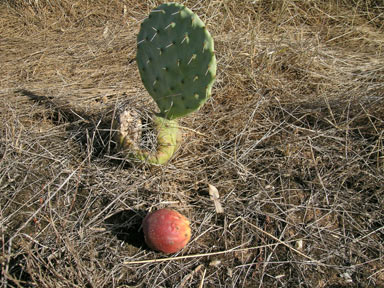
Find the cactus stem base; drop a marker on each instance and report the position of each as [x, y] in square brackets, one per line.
[128, 126]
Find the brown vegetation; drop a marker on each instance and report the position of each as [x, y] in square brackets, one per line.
[292, 138]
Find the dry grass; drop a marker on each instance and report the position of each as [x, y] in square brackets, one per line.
[292, 138]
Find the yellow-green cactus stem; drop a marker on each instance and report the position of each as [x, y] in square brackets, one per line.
[128, 136]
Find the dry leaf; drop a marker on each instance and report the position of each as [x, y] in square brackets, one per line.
[214, 193]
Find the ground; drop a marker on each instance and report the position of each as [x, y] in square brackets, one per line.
[292, 138]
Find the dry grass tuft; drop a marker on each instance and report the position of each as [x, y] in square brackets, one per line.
[292, 139]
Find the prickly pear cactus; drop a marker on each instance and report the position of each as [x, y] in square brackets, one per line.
[177, 64]
[176, 60]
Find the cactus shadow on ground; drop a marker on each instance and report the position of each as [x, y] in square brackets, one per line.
[91, 131]
[17, 269]
[126, 226]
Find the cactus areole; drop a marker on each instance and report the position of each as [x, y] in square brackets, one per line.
[177, 65]
[166, 230]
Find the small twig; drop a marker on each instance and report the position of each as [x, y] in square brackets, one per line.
[283, 243]
[375, 273]
[202, 279]
[193, 130]
[199, 255]
[190, 275]
[369, 234]
[317, 171]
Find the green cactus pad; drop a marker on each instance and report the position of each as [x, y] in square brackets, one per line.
[176, 59]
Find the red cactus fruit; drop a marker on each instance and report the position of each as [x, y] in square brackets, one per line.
[166, 230]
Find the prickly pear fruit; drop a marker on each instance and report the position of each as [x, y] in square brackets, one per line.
[176, 60]
[166, 230]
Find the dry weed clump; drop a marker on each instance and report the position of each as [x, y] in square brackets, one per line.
[292, 139]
